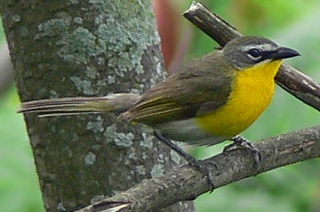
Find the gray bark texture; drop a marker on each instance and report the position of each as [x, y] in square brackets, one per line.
[87, 48]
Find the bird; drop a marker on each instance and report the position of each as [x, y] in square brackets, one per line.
[212, 99]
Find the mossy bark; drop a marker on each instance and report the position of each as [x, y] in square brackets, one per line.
[87, 48]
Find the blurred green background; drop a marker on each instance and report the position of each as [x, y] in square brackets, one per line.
[294, 188]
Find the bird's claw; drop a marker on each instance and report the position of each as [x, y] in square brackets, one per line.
[242, 142]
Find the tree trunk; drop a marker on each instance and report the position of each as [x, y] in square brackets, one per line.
[87, 48]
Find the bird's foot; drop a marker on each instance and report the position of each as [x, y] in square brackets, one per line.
[203, 167]
[239, 141]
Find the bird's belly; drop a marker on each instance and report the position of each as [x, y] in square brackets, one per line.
[189, 131]
[235, 117]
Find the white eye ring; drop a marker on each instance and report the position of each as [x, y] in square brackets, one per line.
[254, 53]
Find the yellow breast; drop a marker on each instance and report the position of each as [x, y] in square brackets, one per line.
[253, 90]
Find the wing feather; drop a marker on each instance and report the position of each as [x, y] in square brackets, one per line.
[201, 88]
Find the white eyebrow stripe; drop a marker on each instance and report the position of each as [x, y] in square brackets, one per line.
[263, 47]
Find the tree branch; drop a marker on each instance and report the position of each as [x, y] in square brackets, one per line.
[186, 183]
[296, 83]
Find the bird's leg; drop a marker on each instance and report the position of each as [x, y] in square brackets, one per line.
[200, 165]
[242, 142]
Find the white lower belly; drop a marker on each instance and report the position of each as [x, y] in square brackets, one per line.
[188, 131]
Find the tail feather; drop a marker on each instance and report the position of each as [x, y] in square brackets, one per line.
[117, 103]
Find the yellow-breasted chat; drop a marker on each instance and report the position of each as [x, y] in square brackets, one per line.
[212, 99]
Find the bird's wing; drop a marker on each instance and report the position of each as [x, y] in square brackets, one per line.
[194, 92]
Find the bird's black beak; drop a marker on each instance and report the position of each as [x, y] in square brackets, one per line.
[283, 53]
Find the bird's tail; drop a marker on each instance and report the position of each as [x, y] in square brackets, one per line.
[116, 103]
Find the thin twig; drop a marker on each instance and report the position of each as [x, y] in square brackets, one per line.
[6, 69]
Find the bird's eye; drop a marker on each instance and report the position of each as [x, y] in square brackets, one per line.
[255, 53]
